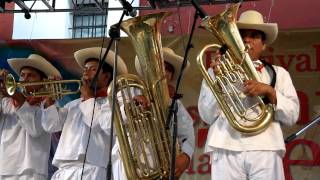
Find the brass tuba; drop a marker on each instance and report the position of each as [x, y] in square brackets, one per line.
[143, 139]
[235, 67]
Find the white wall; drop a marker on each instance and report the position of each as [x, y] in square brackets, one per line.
[114, 16]
[55, 25]
[43, 25]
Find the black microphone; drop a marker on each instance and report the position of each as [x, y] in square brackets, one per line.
[201, 12]
[127, 6]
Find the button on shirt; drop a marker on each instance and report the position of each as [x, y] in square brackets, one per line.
[222, 136]
[74, 119]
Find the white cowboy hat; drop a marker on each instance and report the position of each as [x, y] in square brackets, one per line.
[254, 20]
[170, 57]
[95, 52]
[35, 61]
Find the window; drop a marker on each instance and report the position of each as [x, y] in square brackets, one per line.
[90, 21]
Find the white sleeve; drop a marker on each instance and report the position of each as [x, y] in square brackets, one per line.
[54, 117]
[287, 108]
[106, 110]
[185, 130]
[29, 117]
[105, 117]
[102, 114]
[209, 109]
[86, 108]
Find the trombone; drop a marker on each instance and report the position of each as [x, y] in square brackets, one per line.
[54, 89]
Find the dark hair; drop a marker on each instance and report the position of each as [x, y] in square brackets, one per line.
[42, 74]
[106, 68]
[253, 33]
[170, 67]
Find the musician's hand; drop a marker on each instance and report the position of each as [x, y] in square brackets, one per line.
[215, 63]
[48, 101]
[255, 88]
[86, 92]
[142, 100]
[18, 99]
[182, 163]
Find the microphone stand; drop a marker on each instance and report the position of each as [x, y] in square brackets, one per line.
[114, 88]
[114, 33]
[296, 134]
[173, 109]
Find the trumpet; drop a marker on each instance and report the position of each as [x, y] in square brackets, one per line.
[52, 88]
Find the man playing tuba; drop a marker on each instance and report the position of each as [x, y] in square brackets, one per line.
[186, 139]
[236, 155]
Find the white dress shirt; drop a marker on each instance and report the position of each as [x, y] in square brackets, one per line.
[222, 136]
[24, 145]
[74, 119]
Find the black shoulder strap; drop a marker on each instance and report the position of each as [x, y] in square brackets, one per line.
[273, 80]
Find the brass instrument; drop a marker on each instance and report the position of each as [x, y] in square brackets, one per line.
[235, 67]
[143, 139]
[54, 89]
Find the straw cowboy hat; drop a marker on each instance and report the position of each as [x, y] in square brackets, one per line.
[95, 52]
[254, 20]
[170, 57]
[35, 61]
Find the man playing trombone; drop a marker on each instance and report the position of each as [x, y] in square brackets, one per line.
[24, 145]
[82, 152]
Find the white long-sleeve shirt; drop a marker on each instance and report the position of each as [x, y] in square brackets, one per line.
[74, 119]
[24, 145]
[222, 136]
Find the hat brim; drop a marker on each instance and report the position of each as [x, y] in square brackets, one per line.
[270, 29]
[44, 66]
[96, 52]
[175, 60]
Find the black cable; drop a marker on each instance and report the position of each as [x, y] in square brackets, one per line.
[114, 90]
[173, 106]
[296, 134]
[90, 129]
[93, 86]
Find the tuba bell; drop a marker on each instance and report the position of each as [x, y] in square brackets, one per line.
[235, 68]
[143, 139]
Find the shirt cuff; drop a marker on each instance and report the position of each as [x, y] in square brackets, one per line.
[186, 148]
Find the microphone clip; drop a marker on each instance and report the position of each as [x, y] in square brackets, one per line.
[129, 10]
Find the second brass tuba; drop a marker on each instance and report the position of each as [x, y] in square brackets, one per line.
[236, 67]
[143, 139]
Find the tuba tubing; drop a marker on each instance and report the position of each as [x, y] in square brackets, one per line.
[143, 139]
[237, 65]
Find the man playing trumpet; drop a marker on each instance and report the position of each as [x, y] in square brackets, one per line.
[82, 152]
[24, 145]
